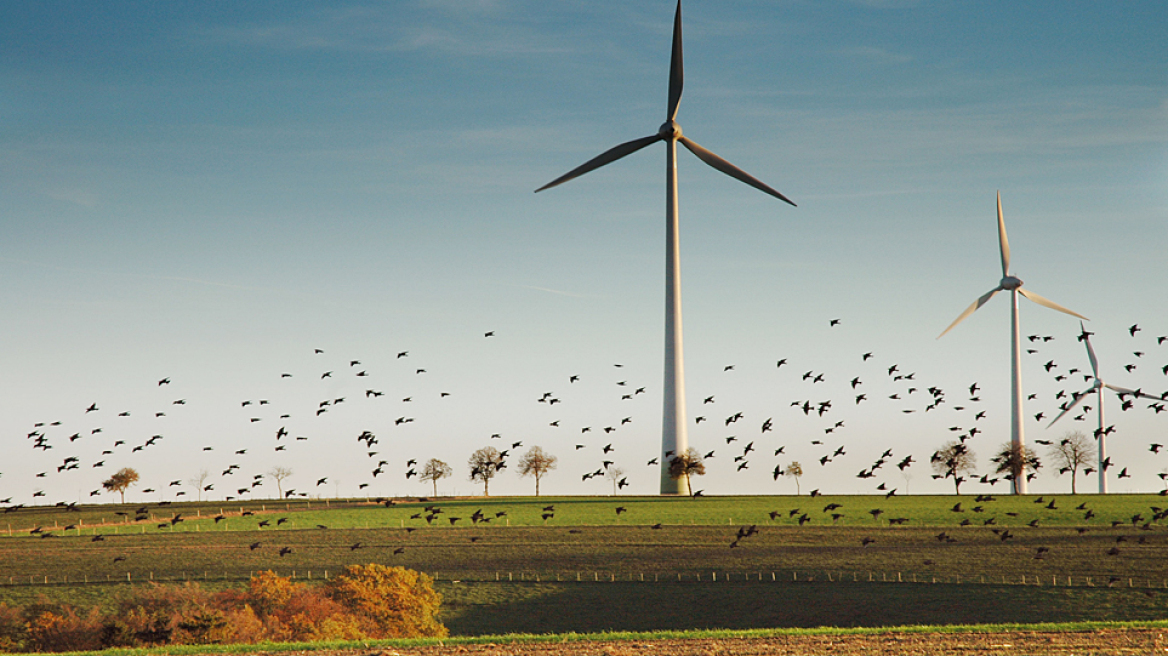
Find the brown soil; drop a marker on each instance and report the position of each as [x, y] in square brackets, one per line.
[1106, 641]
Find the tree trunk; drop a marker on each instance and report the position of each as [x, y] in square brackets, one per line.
[435, 482]
[1073, 472]
[537, 485]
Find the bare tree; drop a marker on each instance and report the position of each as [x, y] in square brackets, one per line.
[433, 470]
[1072, 453]
[484, 464]
[197, 481]
[686, 465]
[954, 460]
[616, 475]
[535, 463]
[278, 474]
[122, 479]
[794, 470]
[1016, 461]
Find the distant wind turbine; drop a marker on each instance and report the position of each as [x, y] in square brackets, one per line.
[673, 436]
[1014, 286]
[1098, 386]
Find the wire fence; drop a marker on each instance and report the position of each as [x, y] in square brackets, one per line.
[790, 576]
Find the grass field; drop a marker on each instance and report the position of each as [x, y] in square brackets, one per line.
[619, 572]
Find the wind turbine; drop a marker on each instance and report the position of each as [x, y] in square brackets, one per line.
[1097, 386]
[673, 434]
[1014, 286]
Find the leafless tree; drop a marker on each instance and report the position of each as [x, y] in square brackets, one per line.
[794, 470]
[433, 470]
[686, 465]
[484, 464]
[954, 460]
[1072, 453]
[1016, 461]
[197, 481]
[535, 463]
[614, 474]
[278, 474]
[122, 479]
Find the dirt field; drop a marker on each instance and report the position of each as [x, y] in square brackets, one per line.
[1110, 641]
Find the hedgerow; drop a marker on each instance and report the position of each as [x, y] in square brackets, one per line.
[366, 601]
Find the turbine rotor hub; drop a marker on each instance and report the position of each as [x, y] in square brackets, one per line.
[1010, 283]
[669, 130]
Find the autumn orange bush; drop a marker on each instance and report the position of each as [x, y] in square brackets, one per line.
[397, 602]
[366, 601]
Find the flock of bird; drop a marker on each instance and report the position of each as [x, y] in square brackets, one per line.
[291, 415]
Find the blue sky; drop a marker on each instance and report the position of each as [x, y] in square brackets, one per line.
[210, 192]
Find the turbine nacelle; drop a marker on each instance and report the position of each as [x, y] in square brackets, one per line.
[1010, 283]
[669, 130]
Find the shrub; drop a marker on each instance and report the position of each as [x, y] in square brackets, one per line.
[13, 630]
[367, 601]
[65, 632]
[391, 602]
[268, 592]
[204, 627]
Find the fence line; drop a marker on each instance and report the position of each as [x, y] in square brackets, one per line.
[791, 576]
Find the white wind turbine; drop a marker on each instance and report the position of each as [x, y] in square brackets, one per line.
[1097, 386]
[1014, 286]
[673, 435]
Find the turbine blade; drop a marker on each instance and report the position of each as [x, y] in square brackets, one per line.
[985, 298]
[610, 155]
[1047, 303]
[1090, 351]
[729, 169]
[1003, 242]
[1078, 399]
[1136, 393]
[676, 74]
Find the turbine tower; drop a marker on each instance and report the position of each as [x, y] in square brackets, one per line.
[1097, 386]
[1014, 286]
[673, 433]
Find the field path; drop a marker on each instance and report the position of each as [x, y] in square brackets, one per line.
[1105, 641]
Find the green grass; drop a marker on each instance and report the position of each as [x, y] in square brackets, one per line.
[591, 511]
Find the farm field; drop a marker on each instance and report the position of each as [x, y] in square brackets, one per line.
[659, 564]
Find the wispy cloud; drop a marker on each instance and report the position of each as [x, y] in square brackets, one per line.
[81, 197]
[874, 55]
[558, 292]
[140, 276]
[889, 4]
[483, 28]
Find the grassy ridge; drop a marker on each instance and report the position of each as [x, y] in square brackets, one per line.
[586, 534]
[855, 510]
